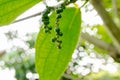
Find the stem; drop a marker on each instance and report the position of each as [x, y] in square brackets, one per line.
[28, 17]
[115, 12]
[97, 42]
[2, 53]
[110, 26]
[102, 45]
[70, 77]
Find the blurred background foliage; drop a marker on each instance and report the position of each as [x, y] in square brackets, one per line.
[86, 63]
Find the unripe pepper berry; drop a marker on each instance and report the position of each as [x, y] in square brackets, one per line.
[59, 10]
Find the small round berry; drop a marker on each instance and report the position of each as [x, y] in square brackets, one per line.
[46, 31]
[50, 28]
[46, 22]
[59, 16]
[57, 29]
[45, 27]
[54, 39]
[45, 17]
[47, 11]
[73, 1]
[59, 10]
[60, 34]
[62, 6]
[59, 46]
[59, 41]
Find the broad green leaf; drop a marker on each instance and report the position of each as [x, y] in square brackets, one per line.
[10, 9]
[50, 61]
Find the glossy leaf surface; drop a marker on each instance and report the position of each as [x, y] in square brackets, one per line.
[50, 61]
[10, 9]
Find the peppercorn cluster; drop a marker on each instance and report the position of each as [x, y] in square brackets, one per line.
[58, 32]
[69, 1]
[45, 19]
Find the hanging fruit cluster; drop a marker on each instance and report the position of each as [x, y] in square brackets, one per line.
[45, 19]
[58, 32]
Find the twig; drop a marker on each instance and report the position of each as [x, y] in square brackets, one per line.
[115, 9]
[28, 17]
[115, 12]
[102, 45]
[70, 77]
[84, 3]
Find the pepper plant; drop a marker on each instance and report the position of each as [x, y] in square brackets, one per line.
[61, 30]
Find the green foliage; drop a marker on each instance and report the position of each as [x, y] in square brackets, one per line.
[10, 9]
[20, 61]
[19, 58]
[51, 61]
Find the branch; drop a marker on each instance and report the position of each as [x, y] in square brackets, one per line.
[97, 42]
[28, 17]
[115, 9]
[102, 45]
[70, 77]
[115, 12]
[110, 26]
[2, 53]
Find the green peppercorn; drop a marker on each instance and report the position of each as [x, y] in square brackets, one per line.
[46, 31]
[58, 16]
[73, 1]
[44, 17]
[62, 6]
[57, 29]
[60, 34]
[46, 22]
[43, 20]
[45, 27]
[59, 41]
[50, 28]
[59, 46]
[54, 39]
[47, 11]
[59, 10]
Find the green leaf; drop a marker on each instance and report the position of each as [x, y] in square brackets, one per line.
[50, 61]
[10, 9]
